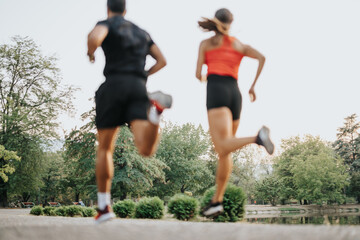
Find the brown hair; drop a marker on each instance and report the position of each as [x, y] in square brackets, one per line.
[216, 24]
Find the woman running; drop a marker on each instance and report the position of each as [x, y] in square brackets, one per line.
[122, 98]
[222, 54]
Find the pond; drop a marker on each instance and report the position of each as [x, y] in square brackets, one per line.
[342, 219]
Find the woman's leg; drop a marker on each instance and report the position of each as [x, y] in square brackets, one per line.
[222, 130]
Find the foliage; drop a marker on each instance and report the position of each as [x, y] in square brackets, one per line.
[347, 146]
[233, 203]
[71, 211]
[269, 189]
[88, 212]
[79, 159]
[183, 150]
[52, 177]
[183, 207]
[149, 208]
[31, 99]
[309, 170]
[125, 208]
[60, 211]
[49, 211]
[37, 210]
[250, 164]
[6, 165]
[133, 174]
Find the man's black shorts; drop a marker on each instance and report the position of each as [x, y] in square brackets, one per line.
[223, 91]
[121, 99]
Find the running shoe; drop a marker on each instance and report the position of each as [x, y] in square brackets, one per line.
[104, 215]
[213, 209]
[263, 139]
[160, 100]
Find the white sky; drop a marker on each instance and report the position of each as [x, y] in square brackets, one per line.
[309, 84]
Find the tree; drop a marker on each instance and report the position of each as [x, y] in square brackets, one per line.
[310, 170]
[269, 189]
[133, 174]
[347, 146]
[184, 150]
[247, 168]
[31, 99]
[6, 165]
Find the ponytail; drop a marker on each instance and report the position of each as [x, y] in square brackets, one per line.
[214, 24]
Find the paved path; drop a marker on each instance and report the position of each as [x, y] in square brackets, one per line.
[17, 224]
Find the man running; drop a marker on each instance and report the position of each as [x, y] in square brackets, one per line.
[122, 98]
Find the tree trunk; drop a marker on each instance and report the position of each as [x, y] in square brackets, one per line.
[306, 202]
[123, 195]
[77, 196]
[3, 197]
[182, 188]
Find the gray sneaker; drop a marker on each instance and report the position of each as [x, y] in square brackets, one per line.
[263, 139]
[160, 100]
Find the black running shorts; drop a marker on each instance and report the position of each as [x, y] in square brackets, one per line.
[121, 99]
[223, 91]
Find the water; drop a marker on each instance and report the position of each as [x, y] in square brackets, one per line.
[350, 219]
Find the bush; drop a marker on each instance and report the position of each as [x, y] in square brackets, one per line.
[37, 210]
[60, 211]
[72, 211]
[233, 203]
[124, 208]
[49, 211]
[150, 208]
[88, 211]
[183, 207]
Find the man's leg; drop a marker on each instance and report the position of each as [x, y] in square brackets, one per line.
[105, 171]
[146, 136]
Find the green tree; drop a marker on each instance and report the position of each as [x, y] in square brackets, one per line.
[79, 160]
[31, 99]
[133, 174]
[184, 150]
[6, 163]
[52, 177]
[247, 169]
[269, 189]
[310, 170]
[347, 146]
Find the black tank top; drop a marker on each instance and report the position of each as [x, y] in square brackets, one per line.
[126, 47]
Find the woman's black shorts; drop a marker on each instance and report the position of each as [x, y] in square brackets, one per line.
[223, 91]
[121, 99]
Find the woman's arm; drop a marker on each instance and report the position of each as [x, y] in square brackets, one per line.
[95, 39]
[253, 53]
[159, 57]
[200, 62]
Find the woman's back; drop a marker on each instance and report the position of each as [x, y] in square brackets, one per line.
[222, 58]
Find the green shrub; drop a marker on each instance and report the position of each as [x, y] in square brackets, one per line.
[233, 203]
[183, 206]
[37, 210]
[49, 211]
[60, 211]
[149, 208]
[88, 211]
[124, 208]
[72, 211]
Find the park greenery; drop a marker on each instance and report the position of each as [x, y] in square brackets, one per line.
[306, 170]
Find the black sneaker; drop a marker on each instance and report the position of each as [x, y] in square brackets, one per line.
[160, 100]
[263, 139]
[213, 209]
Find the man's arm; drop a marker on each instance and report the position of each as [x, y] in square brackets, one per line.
[95, 39]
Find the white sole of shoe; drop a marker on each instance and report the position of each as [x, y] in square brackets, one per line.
[214, 211]
[104, 218]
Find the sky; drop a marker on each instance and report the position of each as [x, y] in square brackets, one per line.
[309, 84]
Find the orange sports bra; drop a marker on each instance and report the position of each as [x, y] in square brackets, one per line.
[224, 60]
